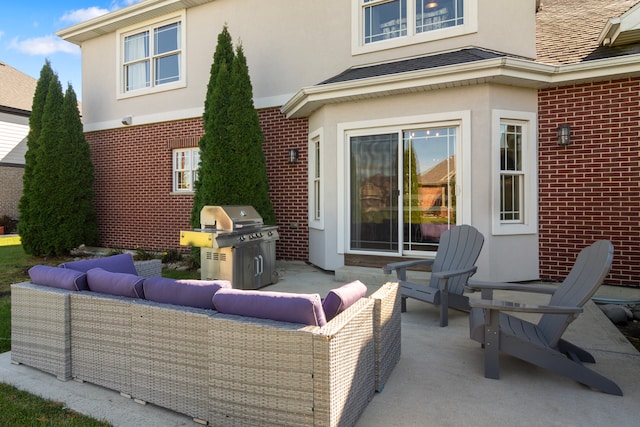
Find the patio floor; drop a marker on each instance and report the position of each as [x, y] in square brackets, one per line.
[439, 380]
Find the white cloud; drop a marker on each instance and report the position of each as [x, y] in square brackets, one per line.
[81, 15]
[45, 45]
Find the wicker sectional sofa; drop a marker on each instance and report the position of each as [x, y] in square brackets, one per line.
[217, 368]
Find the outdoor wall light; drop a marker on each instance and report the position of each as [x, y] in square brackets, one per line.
[564, 135]
[293, 155]
[127, 120]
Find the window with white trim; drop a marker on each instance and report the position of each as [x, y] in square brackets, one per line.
[185, 169]
[316, 199]
[152, 57]
[385, 20]
[515, 187]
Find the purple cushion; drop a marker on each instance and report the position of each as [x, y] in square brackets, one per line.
[192, 293]
[122, 263]
[122, 284]
[338, 300]
[282, 306]
[58, 277]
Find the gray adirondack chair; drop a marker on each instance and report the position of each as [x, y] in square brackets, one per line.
[454, 263]
[541, 344]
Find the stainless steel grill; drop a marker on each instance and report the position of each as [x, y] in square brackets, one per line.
[235, 245]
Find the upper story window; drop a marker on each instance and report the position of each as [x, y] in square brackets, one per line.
[152, 57]
[390, 23]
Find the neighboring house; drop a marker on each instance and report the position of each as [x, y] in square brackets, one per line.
[16, 98]
[379, 97]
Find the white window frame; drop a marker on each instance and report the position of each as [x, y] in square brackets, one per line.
[358, 46]
[194, 163]
[528, 223]
[346, 130]
[316, 180]
[150, 26]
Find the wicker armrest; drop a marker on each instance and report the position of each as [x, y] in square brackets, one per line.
[149, 268]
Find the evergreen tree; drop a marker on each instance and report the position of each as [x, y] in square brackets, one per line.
[248, 175]
[79, 223]
[215, 120]
[57, 203]
[27, 225]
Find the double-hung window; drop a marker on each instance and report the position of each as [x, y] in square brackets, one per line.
[152, 57]
[515, 169]
[185, 169]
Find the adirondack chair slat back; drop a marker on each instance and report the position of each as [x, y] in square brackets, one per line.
[584, 279]
[459, 248]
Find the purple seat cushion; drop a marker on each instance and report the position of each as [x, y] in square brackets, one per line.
[338, 300]
[57, 277]
[122, 284]
[282, 306]
[122, 263]
[191, 293]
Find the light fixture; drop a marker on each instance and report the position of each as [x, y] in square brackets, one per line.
[293, 155]
[431, 5]
[127, 120]
[564, 135]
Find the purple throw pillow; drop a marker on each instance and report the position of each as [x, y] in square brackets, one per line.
[56, 277]
[281, 306]
[191, 293]
[122, 263]
[122, 284]
[338, 300]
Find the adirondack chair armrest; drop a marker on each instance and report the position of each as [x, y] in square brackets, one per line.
[487, 288]
[401, 267]
[443, 276]
[523, 308]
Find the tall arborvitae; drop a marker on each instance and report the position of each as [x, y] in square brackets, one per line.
[232, 167]
[27, 221]
[215, 121]
[78, 225]
[57, 204]
[247, 177]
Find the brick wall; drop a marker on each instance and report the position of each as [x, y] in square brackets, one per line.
[134, 200]
[590, 189]
[10, 190]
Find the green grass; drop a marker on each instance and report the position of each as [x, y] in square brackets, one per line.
[19, 408]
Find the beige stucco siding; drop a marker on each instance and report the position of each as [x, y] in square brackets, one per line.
[289, 44]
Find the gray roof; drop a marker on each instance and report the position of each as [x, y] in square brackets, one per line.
[16, 88]
[421, 63]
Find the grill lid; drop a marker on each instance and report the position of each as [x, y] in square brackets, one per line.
[229, 218]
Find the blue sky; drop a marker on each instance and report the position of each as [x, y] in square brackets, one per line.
[27, 35]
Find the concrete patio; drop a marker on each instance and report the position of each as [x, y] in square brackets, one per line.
[439, 380]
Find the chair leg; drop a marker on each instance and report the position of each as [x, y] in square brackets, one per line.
[568, 348]
[444, 312]
[403, 304]
[492, 344]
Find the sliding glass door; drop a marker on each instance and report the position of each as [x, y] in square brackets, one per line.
[385, 219]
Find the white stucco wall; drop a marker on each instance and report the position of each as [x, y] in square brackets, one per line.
[289, 44]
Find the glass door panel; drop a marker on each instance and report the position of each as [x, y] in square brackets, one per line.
[428, 187]
[374, 193]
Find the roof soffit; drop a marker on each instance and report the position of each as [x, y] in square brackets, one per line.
[622, 30]
[124, 17]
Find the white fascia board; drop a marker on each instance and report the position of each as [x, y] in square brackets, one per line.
[512, 71]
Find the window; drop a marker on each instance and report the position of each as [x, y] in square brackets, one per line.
[316, 198]
[402, 188]
[382, 20]
[511, 173]
[185, 169]
[514, 184]
[152, 57]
